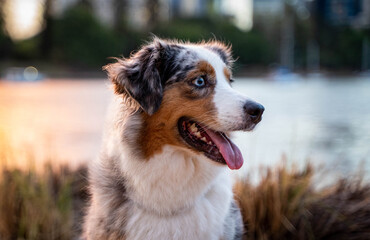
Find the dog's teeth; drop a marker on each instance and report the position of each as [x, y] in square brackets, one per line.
[193, 128]
[210, 143]
[197, 134]
[203, 139]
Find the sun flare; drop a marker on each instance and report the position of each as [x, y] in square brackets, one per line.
[23, 18]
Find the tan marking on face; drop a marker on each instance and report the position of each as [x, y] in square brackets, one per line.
[161, 128]
[227, 73]
[202, 68]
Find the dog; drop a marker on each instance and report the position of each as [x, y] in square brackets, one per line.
[164, 171]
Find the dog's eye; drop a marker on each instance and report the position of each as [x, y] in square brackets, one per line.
[199, 82]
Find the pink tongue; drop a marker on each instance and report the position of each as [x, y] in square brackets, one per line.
[228, 149]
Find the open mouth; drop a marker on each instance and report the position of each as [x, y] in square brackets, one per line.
[215, 145]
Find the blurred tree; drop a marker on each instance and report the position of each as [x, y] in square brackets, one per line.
[120, 10]
[250, 48]
[1, 9]
[85, 4]
[210, 8]
[81, 39]
[153, 11]
[1, 20]
[46, 35]
[287, 37]
[313, 47]
[5, 42]
[1, 17]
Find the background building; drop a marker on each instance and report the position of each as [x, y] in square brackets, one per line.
[355, 13]
[240, 11]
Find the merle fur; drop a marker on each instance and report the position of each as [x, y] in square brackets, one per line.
[223, 51]
[146, 73]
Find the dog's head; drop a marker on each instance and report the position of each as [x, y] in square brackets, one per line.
[183, 92]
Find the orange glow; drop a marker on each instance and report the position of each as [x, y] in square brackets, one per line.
[23, 18]
[56, 121]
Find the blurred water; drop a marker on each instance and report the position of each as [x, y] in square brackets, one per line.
[59, 120]
[325, 121]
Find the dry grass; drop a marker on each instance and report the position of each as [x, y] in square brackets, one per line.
[38, 204]
[49, 204]
[35, 205]
[285, 205]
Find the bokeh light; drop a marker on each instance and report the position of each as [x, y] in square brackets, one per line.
[23, 18]
[30, 73]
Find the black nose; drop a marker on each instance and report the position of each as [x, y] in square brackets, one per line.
[254, 111]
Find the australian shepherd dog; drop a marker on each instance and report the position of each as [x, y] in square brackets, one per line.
[164, 171]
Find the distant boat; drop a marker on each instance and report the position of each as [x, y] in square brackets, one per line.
[19, 74]
[284, 74]
[365, 74]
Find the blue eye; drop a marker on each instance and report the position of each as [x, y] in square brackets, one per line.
[199, 82]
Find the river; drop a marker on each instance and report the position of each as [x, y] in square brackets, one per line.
[324, 121]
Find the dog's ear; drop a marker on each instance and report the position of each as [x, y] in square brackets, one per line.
[139, 77]
[223, 50]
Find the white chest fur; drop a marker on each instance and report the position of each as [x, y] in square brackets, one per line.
[177, 195]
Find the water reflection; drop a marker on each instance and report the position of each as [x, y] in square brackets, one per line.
[325, 121]
[59, 120]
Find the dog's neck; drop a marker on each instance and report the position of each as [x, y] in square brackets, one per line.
[172, 180]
